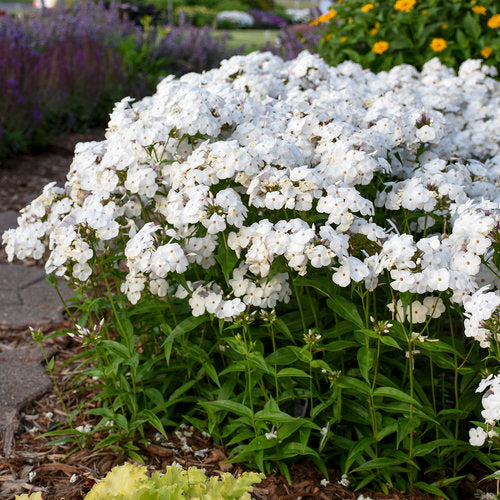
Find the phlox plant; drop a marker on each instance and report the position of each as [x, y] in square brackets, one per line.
[299, 260]
[382, 34]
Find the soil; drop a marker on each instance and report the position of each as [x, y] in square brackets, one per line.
[64, 471]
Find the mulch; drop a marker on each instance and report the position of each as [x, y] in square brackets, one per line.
[63, 471]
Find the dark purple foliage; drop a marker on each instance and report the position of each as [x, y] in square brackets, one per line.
[267, 19]
[292, 40]
[188, 48]
[62, 69]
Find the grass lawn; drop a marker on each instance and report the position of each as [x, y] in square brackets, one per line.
[252, 39]
[298, 4]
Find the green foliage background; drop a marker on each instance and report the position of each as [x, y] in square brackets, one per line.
[352, 33]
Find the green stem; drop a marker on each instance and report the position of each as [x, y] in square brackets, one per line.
[275, 365]
[56, 385]
[249, 375]
[301, 310]
[124, 336]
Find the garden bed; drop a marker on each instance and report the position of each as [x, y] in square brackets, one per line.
[63, 474]
[22, 178]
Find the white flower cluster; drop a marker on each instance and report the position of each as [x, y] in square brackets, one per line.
[238, 17]
[490, 412]
[288, 165]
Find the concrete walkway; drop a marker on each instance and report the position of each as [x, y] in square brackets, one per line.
[26, 299]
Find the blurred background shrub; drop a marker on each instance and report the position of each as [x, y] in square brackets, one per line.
[380, 35]
[62, 69]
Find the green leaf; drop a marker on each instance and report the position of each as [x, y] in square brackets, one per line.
[322, 284]
[235, 344]
[366, 357]
[51, 280]
[429, 488]
[274, 416]
[211, 372]
[116, 348]
[339, 345]
[462, 40]
[379, 463]
[472, 26]
[439, 346]
[153, 420]
[390, 341]
[424, 449]
[357, 450]
[226, 405]
[227, 259]
[353, 383]
[182, 389]
[345, 309]
[399, 395]
[183, 327]
[121, 421]
[283, 328]
[292, 372]
[406, 426]
[368, 333]
[246, 452]
[257, 361]
[107, 441]
[290, 450]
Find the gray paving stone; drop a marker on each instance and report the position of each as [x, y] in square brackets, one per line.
[23, 380]
[17, 276]
[26, 299]
[8, 220]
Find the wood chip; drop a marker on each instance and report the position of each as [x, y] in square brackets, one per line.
[67, 469]
[160, 451]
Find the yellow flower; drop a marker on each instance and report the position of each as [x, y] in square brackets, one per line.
[479, 9]
[380, 47]
[374, 30]
[494, 21]
[405, 5]
[367, 7]
[438, 44]
[343, 39]
[324, 18]
[486, 52]
[444, 26]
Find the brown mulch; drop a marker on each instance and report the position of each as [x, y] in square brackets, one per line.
[61, 471]
[22, 177]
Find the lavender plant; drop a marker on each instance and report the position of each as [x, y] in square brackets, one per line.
[62, 69]
[301, 260]
[292, 40]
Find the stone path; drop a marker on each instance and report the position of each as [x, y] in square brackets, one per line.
[26, 299]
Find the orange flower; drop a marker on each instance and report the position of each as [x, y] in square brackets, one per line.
[343, 39]
[324, 18]
[438, 44]
[405, 5]
[380, 47]
[479, 9]
[367, 7]
[494, 21]
[486, 52]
